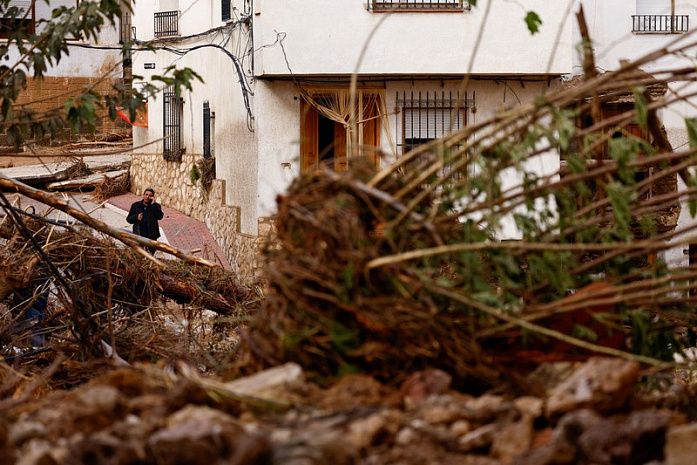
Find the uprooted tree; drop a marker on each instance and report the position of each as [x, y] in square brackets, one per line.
[386, 272]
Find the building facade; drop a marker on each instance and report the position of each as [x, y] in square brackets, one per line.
[629, 30]
[276, 93]
[97, 63]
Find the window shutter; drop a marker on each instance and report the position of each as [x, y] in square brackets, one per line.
[226, 10]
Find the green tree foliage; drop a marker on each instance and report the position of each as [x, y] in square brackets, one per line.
[32, 49]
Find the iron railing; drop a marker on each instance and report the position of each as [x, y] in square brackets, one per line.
[172, 126]
[167, 24]
[418, 5]
[660, 24]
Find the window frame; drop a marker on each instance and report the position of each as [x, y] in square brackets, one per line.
[414, 6]
[368, 130]
[170, 17]
[172, 116]
[423, 104]
[225, 10]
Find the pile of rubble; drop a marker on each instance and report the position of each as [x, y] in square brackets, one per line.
[589, 413]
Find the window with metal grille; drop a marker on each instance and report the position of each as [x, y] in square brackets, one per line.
[172, 125]
[418, 5]
[18, 14]
[167, 24]
[430, 115]
[226, 10]
[427, 116]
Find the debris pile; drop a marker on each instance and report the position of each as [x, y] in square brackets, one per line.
[97, 292]
[168, 413]
[326, 310]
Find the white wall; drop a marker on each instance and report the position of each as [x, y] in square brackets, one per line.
[327, 37]
[259, 164]
[82, 60]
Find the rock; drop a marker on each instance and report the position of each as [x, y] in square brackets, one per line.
[681, 444]
[23, 431]
[405, 436]
[461, 427]
[602, 383]
[547, 376]
[638, 438]
[480, 438]
[195, 435]
[103, 447]
[573, 424]
[328, 448]
[530, 406]
[562, 449]
[278, 383]
[513, 439]
[487, 408]
[443, 409]
[420, 385]
[362, 432]
[37, 452]
[85, 410]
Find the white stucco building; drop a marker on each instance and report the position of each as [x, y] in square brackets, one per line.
[276, 80]
[631, 29]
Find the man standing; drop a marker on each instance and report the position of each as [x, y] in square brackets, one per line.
[144, 216]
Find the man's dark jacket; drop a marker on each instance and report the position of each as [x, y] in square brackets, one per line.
[148, 226]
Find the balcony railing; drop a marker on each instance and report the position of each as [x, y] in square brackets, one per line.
[167, 24]
[417, 5]
[660, 24]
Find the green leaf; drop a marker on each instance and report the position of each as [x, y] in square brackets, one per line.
[533, 22]
[642, 110]
[691, 124]
[619, 199]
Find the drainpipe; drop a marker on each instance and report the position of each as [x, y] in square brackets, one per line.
[672, 15]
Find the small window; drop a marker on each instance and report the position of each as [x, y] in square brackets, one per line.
[167, 24]
[172, 125]
[226, 10]
[428, 116]
[417, 5]
[19, 14]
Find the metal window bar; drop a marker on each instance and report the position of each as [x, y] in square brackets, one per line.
[226, 10]
[172, 125]
[206, 130]
[427, 116]
[167, 24]
[661, 24]
[418, 5]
